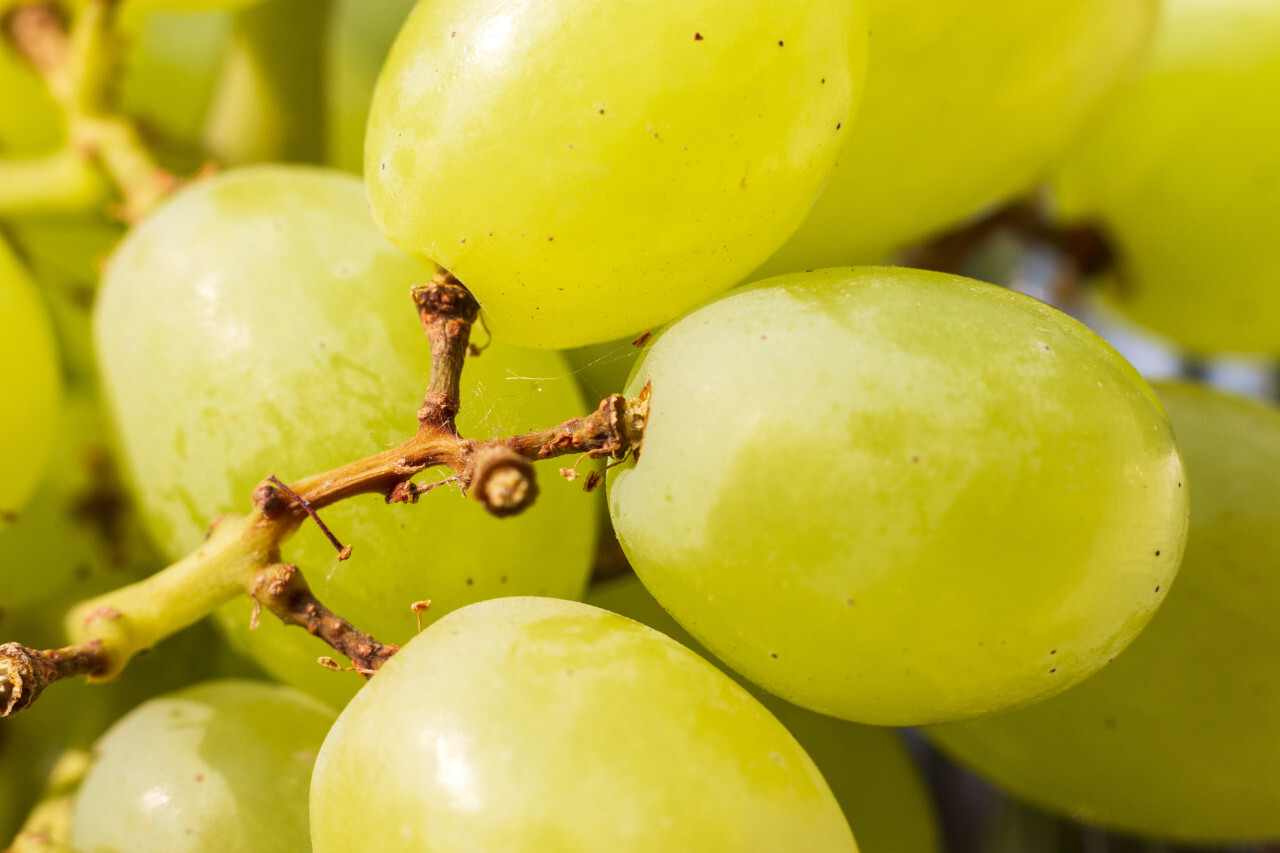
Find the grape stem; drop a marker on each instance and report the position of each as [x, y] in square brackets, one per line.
[1084, 247]
[80, 67]
[242, 552]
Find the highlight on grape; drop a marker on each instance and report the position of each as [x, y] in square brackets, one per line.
[452, 425]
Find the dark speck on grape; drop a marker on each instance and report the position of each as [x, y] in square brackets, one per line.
[697, 36]
[1157, 553]
[779, 42]
[773, 655]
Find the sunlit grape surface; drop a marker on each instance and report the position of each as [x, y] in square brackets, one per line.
[1180, 737]
[967, 102]
[535, 724]
[31, 383]
[222, 767]
[867, 768]
[1185, 177]
[593, 169]
[900, 497]
[259, 324]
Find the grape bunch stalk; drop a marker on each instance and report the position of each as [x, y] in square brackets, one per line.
[861, 553]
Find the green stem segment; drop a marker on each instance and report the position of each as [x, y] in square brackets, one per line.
[80, 69]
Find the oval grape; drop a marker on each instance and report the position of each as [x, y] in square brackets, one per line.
[588, 169]
[222, 767]
[1179, 737]
[967, 103]
[535, 724]
[1183, 178]
[898, 497]
[267, 302]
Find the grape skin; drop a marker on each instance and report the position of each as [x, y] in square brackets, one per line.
[1179, 737]
[222, 767]
[75, 529]
[32, 383]
[589, 170]
[534, 724]
[237, 299]
[967, 103]
[867, 767]
[900, 497]
[1185, 177]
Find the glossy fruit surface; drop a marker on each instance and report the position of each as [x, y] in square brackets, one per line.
[268, 303]
[1185, 177]
[967, 103]
[32, 383]
[222, 767]
[896, 496]
[536, 724]
[867, 768]
[1180, 737]
[590, 170]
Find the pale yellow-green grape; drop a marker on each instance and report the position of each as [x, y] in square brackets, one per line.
[31, 383]
[967, 103]
[78, 523]
[1185, 178]
[900, 497]
[360, 36]
[592, 169]
[867, 768]
[222, 767]
[259, 324]
[73, 714]
[1179, 737]
[535, 724]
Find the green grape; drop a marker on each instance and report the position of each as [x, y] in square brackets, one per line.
[967, 103]
[73, 714]
[259, 324]
[78, 523]
[900, 497]
[222, 766]
[591, 169]
[1183, 176]
[1179, 737]
[30, 377]
[536, 724]
[360, 36]
[867, 768]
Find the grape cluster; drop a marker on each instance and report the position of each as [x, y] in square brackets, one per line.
[299, 298]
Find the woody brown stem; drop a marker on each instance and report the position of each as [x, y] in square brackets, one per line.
[25, 673]
[243, 552]
[282, 590]
[447, 310]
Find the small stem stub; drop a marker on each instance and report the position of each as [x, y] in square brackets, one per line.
[25, 673]
[447, 311]
[503, 480]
